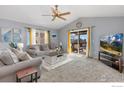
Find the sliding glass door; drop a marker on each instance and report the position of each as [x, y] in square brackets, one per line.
[79, 42]
[40, 37]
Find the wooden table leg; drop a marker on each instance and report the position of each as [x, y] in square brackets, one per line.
[36, 77]
[17, 79]
[120, 66]
[99, 56]
[31, 77]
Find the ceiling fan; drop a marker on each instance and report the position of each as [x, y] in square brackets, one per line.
[57, 14]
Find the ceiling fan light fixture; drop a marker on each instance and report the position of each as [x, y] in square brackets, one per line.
[57, 14]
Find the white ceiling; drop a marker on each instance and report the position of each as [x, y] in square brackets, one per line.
[33, 14]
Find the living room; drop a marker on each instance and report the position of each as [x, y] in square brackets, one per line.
[43, 40]
[61, 46]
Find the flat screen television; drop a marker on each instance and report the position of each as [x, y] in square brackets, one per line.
[112, 44]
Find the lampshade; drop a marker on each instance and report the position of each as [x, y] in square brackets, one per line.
[20, 46]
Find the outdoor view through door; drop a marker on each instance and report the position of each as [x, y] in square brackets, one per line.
[79, 41]
[40, 38]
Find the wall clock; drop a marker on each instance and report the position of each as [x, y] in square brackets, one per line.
[79, 25]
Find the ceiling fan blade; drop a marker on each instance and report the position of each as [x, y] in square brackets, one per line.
[54, 17]
[61, 17]
[53, 10]
[46, 15]
[56, 13]
[66, 13]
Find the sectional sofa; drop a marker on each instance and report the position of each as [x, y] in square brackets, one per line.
[40, 50]
[8, 70]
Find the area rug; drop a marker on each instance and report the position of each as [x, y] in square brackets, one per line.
[53, 66]
[82, 70]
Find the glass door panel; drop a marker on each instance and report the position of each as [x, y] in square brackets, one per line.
[82, 42]
[75, 42]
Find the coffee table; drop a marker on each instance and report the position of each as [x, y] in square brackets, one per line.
[54, 58]
[54, 61]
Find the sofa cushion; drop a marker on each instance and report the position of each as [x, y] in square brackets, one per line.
[13, 55]
[6, 58]
[41, 53]
[36, 47]
[1, 64]
[53, 46]
[16, 51]
[22, 56]
[45, 47]
[31, 52]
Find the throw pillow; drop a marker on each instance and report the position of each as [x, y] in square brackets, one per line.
[22, 56]
[13, 55]
[16, 51]
[6, 58]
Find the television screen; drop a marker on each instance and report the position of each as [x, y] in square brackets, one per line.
[112, 44]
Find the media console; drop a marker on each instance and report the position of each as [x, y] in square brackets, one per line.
[111, 60]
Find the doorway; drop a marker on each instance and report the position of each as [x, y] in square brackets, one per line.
[80, 41]
[40, 37]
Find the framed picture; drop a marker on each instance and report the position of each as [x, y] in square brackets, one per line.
[17, 35]
[11, 35]
[6, 35]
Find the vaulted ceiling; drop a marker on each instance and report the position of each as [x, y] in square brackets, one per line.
[32, 14]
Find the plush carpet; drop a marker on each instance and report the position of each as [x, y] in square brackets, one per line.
[82, 69]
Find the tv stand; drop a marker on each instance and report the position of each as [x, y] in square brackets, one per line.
[111, 60]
